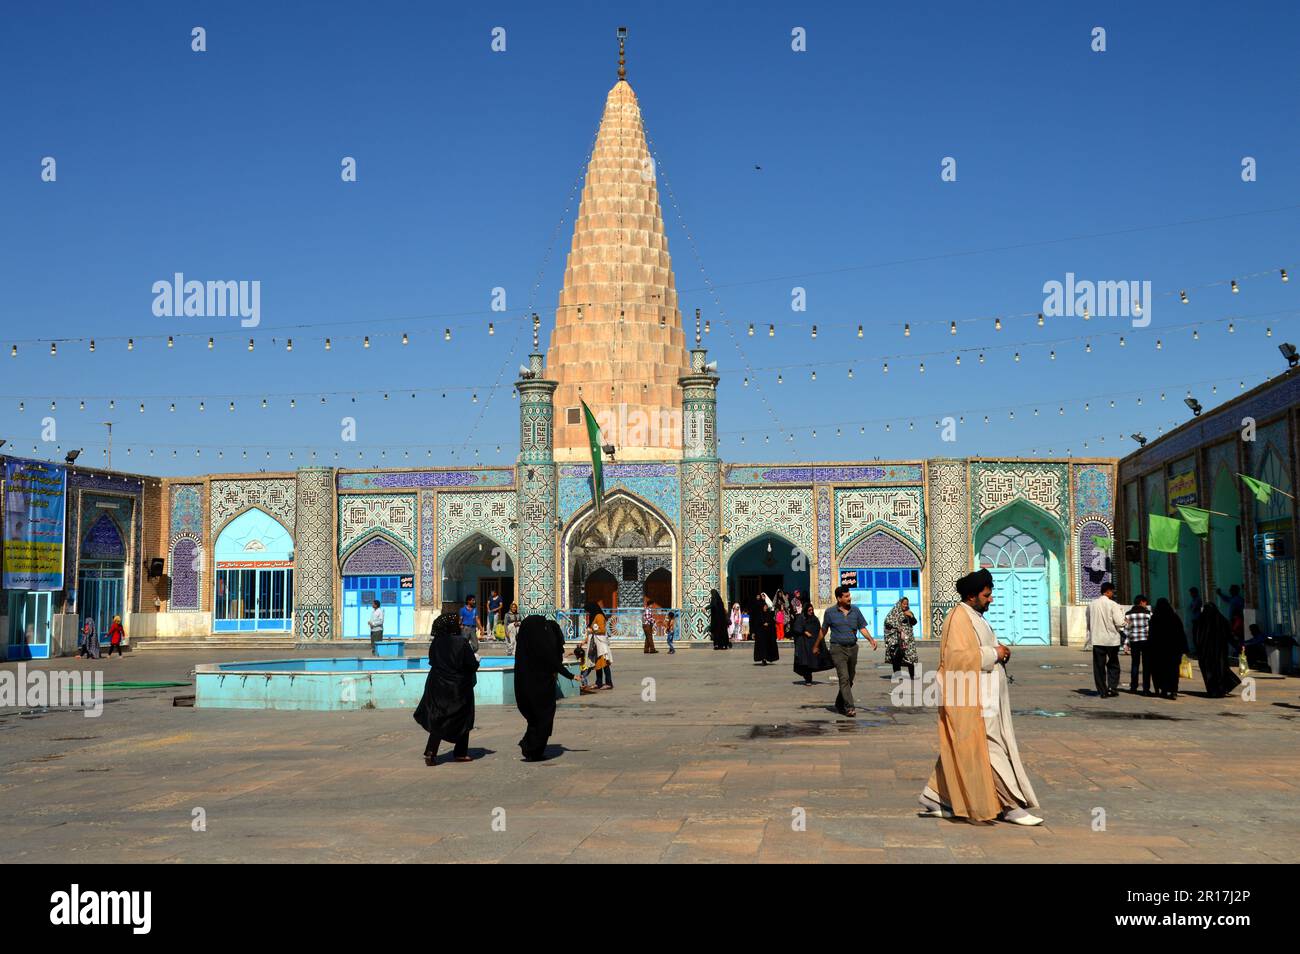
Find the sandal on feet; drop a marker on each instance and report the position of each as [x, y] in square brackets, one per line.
[430, 759]
[464, 758]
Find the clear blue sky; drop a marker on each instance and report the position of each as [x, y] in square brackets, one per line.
[225, 165]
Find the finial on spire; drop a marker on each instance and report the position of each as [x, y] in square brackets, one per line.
[536, 324]
[622, 63]
[697, 326]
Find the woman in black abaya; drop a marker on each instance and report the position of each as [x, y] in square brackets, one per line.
[1213, 637]
[446, 709]
[1166, 644]
[719, 621]
[539, 658]
[805, 629]
[762, 625]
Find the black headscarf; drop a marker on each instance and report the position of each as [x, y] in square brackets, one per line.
[1213, 636]
[592, 609]
[719, 620]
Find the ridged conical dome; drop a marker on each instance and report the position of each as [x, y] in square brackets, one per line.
[618, 341]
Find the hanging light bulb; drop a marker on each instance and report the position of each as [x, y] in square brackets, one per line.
[169, 341]
[22, 406]
[293, 403]
[907, 330]
[405, 340]
[130, 344]
[1052, 356]
[492, 330]
[1284, 276]
[751, 329]
[771, 331]
[1086, 316]
[92, 345]
[54, 349]
[13, 351]
[859, 331]
[580, 313]
[1268, 332]
[814, 332]
[81, 406]
[210, 344]
[923, 367]
[1183, 296]
[1196, 335]
[850, 374]
[814, 375]
[327, 344]
[112, 405]
[1017, 358]
[172, 409]
[201, 407]
[997, 323]
[778, 379]
[1122, 342]
[981, 357]
[446, 334]
[1235, 289]
[952, 328]
[707, 327]
[366, 343]
[1035, 412]
[474, 399]
[142, 407]
[1088, 347]
[745, 383]
[53, 406]
[958, 362]
[886, 368]
[264, 403]
[250, 344]
[1159, 344]
[232, 405]
[288, 345]
[1040, 319]
[1231, 328]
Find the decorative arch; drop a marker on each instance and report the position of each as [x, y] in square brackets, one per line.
[585, 518]
[186, 572]
[879, 545]
[749, 512]
[104, 540]
[1090, 557]
[381, 536]
[376, 554]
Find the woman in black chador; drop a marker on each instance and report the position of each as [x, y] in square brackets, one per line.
[762, 625]
[1166, 644]
[539, 658]
[1213, 635]
[719, 621]
[805, 629]
[446, 709]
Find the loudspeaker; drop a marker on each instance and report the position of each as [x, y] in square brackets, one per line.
[1133, 551]
[155, 568]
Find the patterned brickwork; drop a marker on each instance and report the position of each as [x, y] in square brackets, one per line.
[824, 554]
[362, 514]
[860, 511]
[949, 550]
[230, 498]
[314, 559]
[751, 512]
[879, 549]
[994, 485]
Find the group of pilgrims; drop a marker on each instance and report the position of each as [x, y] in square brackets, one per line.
[978, 777]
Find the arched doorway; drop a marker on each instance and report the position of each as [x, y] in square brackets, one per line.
[477, 566]
[1024, 551]
[378, 570]
[253, 585]
[101, 574]
[880, 570]
[766, 564]
[659, 588]
[626, 542]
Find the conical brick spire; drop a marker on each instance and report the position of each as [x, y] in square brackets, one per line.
[618, 342]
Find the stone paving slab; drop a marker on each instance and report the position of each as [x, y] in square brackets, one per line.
[715, 770]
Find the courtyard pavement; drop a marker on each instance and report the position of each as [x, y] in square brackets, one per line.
[719, 767]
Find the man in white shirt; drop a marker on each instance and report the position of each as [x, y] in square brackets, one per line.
[1105, 633]
[377, 628]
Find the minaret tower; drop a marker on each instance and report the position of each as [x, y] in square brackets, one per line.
[535, 476]
[701, 489]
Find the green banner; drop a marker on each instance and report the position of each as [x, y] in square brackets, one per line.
[1103, 543]
[1198, 520]
[1263, 492]
[597, 468]
[1162, 533]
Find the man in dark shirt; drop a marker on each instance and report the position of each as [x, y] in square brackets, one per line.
[843, 622]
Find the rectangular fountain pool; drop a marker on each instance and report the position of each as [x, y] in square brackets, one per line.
[331, 684]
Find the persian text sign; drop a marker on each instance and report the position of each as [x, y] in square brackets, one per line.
[32, 546]
[1182, 490]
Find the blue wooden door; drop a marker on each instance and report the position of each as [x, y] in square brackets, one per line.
[1019, 611]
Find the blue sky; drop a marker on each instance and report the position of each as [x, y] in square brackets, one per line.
[225, 165]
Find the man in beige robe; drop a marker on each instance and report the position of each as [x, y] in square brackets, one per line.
[979, 775]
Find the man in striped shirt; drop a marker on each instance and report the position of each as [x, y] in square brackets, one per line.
[1137, 626]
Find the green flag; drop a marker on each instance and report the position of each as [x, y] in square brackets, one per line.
[1103, 543]
[1262, 491]
[1162, 533]
[597, 469]
[1198, 520]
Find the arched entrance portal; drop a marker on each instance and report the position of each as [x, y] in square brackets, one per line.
[378, 570]
[478, 565]
[1024, 550]
[765, 564]
[253, 588]
[101, 577]
[880, 570]
[619, 556]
